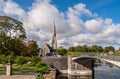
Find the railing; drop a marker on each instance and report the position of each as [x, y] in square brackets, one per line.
[114, 58]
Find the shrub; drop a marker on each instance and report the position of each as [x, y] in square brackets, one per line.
[20, 60]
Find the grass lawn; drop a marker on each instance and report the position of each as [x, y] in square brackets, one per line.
[116, 54]
[83, 53]
[41, 68]
[92, 53]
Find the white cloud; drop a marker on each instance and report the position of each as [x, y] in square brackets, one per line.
[10, 8]
[94, 25]
[71, 29]
[81, 9]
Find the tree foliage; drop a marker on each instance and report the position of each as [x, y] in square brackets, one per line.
[11, 27]
[93, 48]
[30, 48]
[62, 51]
[11, 35]
[109, 48]
[71, 49]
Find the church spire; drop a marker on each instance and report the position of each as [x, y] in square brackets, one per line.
[54, 41]
[54, 30]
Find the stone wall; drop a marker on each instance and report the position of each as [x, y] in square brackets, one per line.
[51, 75]
[81, 66]
[17, 77]
[59, 63]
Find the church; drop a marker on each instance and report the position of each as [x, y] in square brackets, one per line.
[46, 49]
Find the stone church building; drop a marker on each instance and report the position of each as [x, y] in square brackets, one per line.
[46, 49]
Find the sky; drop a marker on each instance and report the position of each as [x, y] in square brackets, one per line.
[78, 22]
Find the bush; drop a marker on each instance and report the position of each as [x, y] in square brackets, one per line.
[30, 61]
[20, 60]
[62, 51]
[40, 77]
[35, 61]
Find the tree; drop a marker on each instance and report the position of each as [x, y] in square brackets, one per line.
[30, 48]
[71, 49]
[84, 48]
[11, 35]
[62, 51]
[94, 48]
[106, 49]
[78, 48]
[111, 48]
[12, 27]
[100, 49]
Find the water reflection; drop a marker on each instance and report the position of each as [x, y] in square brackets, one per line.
[107, 71]
[103, 70]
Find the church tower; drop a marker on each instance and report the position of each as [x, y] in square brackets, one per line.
[54, 40]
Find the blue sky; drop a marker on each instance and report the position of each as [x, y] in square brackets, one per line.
[105, 8]
[78, 22]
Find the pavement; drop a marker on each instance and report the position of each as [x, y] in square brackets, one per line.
[17, 77]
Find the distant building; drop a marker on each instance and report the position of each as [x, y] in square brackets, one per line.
[46, 49]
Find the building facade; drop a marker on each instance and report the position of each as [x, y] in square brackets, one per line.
[46, 49]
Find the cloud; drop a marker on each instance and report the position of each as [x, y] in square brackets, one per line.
[71, 28]
[11, 8]
[91, 26]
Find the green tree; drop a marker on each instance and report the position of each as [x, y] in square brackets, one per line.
[71, 49]
[84, 48]
[30, 48]
[11, 35]
[111, 48]
[78, 48]
[62, 51]
[106, 49]
[94, 48]
[12, 27]
[100, 49]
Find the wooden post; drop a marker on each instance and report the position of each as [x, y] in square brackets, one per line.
[9, 68]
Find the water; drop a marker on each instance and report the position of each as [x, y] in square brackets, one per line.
[102, 71]
[107, 71]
